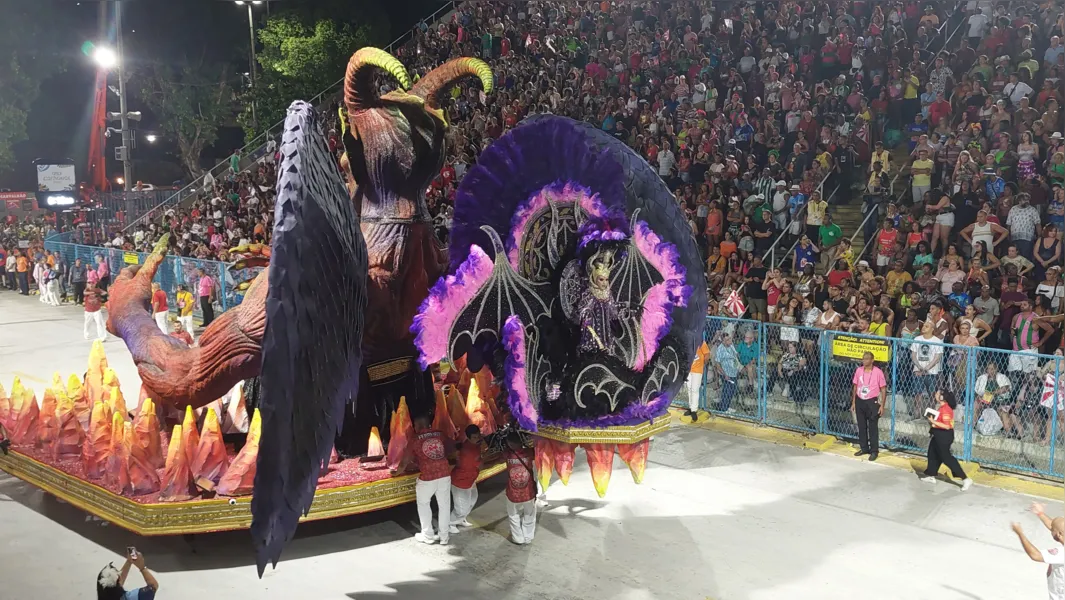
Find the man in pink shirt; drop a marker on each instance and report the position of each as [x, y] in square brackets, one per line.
[205, 290]
[867, 405]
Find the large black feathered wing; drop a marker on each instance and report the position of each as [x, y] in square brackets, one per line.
[314, 318]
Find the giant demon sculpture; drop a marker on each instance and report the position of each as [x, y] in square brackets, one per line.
[301, 322]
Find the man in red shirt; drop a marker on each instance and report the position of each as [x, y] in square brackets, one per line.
[93, 314]
[434, 480]
[464, 478]
[181, 334]
[521, 493]
[160, 310]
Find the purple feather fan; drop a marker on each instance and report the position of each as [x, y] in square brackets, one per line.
[655, 322]
[520, 164]
[664, 257]
[446, 300]
[514, 374]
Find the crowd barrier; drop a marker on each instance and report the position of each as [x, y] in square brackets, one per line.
[1011, 405]
[174, 271]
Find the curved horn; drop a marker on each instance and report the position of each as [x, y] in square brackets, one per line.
[359, 90]
[441, 78]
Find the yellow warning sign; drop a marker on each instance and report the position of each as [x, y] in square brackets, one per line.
[850, 346]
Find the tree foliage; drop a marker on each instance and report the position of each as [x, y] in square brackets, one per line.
[191, 102]
[302, 53]
[28, 57]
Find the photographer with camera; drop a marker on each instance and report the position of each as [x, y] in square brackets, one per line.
[110, 581]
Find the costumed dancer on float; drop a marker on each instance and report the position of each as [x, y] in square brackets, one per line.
[464, 478]
[521, 492]
[434, 479]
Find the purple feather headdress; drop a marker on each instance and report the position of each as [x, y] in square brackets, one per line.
[610, 228]
[447, 298]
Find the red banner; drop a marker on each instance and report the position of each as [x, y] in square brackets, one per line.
[16, 196]
[13, 204]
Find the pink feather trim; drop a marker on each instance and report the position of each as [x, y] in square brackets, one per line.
[655, 322]
[514, 374]
[448, 297]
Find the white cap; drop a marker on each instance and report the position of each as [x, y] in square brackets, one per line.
[782, 182]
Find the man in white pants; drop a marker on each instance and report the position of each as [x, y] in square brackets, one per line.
[186, 303]
[434, 480]
[160, 309]
[695, 381]
[521, 493]
[93, 314]
[464, 478]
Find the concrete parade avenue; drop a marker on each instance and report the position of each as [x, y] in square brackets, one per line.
[717, 516]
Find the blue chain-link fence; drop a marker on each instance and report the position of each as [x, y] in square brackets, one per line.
[175, 271]
[1010, 405]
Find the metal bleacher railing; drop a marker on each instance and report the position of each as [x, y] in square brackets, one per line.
[256, 148]
[1011, 405]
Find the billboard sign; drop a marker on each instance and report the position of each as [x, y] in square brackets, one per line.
[56, 178]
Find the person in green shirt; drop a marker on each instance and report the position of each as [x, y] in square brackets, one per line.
[830, 234]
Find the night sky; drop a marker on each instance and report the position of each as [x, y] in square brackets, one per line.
[154, 30]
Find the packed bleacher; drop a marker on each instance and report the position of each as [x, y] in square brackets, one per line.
[926, 114]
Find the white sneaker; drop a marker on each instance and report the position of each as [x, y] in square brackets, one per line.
[464, 523]
[420, 537]
[928, 479]
[966, 484]
[444, 542]
[453, 529]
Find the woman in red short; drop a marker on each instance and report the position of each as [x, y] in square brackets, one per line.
[942, 436]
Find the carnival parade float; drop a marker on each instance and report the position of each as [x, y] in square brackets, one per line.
[566, 311]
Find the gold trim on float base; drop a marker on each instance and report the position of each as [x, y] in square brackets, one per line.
[206, 516]
[619, 434]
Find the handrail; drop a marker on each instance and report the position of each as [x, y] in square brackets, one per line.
[772, 249]
[258, 142]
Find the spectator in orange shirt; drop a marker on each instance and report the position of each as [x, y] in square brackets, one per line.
[22, 268]
[695, 381]
[464, 478]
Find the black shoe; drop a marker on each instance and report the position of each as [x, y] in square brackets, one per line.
[861, 453]
[695, 417]
[873, 457]
[688, 413]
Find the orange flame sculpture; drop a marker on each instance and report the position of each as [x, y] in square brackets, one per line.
[635, 455]
[118, 461]
[211, 459]
[69, 434]
[441, 419]
[147, 445]
[117, 403]
[239, 479]
[478, 412]
[601, 463]
[192, 435]
[5, 406]
[456, 409]
[563, 461]
[143, 476]
[401, 432]
[545, 460]
[464, 382]
[177, 479]
[25, 415]
[374, 448]
[98, 442]
[94, 376]
[49, 421]
[79, 394]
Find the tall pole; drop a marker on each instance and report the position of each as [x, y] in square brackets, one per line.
[127, 161]
[251, 46]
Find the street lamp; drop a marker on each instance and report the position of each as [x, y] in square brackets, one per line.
[120, 181]
[104, 57]
[151, 137]
[251, 47]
